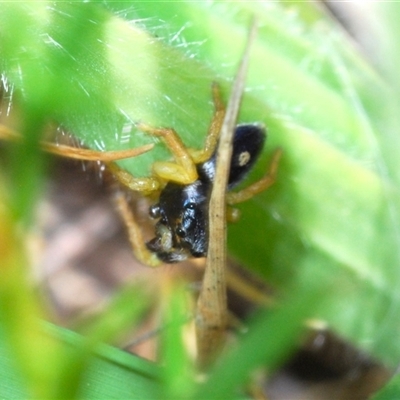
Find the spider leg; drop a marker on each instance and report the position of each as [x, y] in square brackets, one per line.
[78, 152]
[136, 239]
[232, 214]
[93, 155]
[259, 186]
[8, 134]
[214, 130]
[183, 170]
[145, 185]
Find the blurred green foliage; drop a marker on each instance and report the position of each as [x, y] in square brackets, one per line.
[327, 232]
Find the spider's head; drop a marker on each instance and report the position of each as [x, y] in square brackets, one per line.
[182, 210]
[181, 231]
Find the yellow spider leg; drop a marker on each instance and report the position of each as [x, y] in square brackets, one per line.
[184, 169]
[141, 252]
[232, 214]
[93, 155]
[76, 152]
[144, 185]
[214, 130]
[8, 134]
[259, 186]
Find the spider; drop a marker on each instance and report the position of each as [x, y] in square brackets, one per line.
[183, 187]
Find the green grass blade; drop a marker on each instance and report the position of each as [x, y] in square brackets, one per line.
[178, 372]
[109, 374]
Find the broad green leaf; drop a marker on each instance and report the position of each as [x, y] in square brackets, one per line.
[334, 209]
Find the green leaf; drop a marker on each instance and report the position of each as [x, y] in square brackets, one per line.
[108, 374]
[334, 209]
[178, 373]
[390, 391]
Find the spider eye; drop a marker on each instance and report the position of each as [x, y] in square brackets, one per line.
[180, 231]
[191, 206]
[154, 211]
